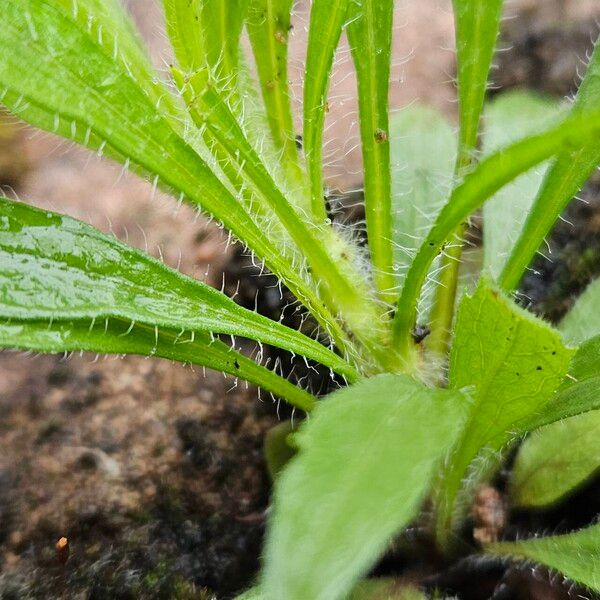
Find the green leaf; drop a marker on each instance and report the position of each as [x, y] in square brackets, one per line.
[327, 19]
[514, 363]
[555, 460]
[576, 555]
[511, 117]
[420, 186]
[562, 182]
[53, 267]
[478, 186]
[268, 24]
[59, 79]
[582, 322]
[115, 336]
[370, 37]
[108, 23]
[477, 23]
[366, 458]
[206, 33]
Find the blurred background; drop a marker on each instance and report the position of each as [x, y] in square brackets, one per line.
[153, 471]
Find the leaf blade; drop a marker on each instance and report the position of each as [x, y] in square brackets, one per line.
[54, 267]
[370, 36]
[383, 421]
[576, 555]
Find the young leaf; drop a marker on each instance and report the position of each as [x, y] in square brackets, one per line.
[115, 336]
[370, 37]
[509, 118]
[53, 267]
[562, 182]
[327, 19]
[366, 459]
[477, 23]
[477, 186]
[420, 186]
[582, 322]
[269, 24]
[555, 460]
[514, 362]
[206, 33]
[576, 555]
[58, 78]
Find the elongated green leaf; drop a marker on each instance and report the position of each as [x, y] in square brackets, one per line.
[206, 33]
[268, 25]
[566, 177]
[515, 363]
[107, 22]
[576, 555]
[58, 78]
[477, 23]
[327, 19]
[477, 187]
[55, 268]
[370, 36]
[420, 185]
[115, 336]
[555, 460]
[582, 322]
[366, 458]
[509, 118]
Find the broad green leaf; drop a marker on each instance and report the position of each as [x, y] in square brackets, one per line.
[327, 19]
[478, 186]
[366, 459]
[108, 23]
[58, 78]
[420, 185]
[268, 24]
[582, 322]
[115, 336]
[206, 33]
[563, 181]
[555, 460]
[53, 267]
[477, 23]
[514, 363]
[576, 555]
[370, 37]
[509, 118]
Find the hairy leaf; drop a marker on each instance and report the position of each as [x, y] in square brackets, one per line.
[477, 23]
[115, 336]
[370, 36]
[111, 27]
[477, 187]
[269, 23]
[565, 178]
[582, 322]
[56, 268]
[327, 19]
[555, 460]
[509, 118]
[206, 33]
[514, 362]
[58, 78]
[576, 555]
[366, 458]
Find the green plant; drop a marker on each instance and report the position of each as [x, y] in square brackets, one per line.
[420, 417]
